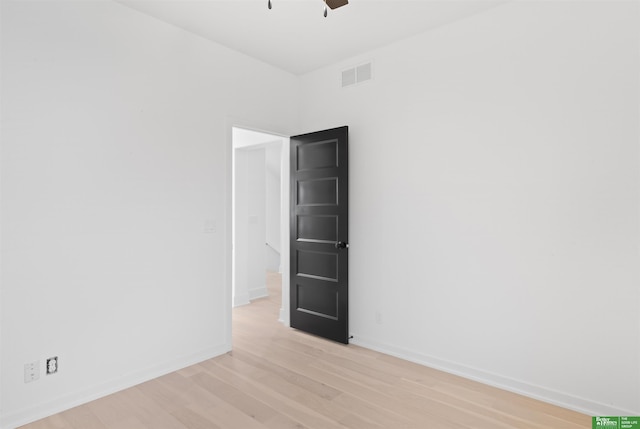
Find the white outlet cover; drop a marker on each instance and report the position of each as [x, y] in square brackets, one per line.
[210, 226]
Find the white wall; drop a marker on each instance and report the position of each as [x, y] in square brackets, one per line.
[272, 205]
[241, 262]
[494, 199]
[116, 196]
[256, 223]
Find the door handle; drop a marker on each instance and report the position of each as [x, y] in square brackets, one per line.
[342, 245]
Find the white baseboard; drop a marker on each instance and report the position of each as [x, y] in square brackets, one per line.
[284, 317]
[240, 300]
[256, 293]
[40, 411]
[551, 396]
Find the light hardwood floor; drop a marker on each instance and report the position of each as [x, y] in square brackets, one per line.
[280, 378]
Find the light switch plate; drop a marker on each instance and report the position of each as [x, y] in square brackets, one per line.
[31, 371]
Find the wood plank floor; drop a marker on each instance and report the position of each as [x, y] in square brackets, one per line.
[279, 378]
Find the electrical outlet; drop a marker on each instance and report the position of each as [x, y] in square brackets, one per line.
[52, 365]
[210, 226]
[31, 371]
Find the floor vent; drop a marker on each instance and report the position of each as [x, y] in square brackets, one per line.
[356, 75]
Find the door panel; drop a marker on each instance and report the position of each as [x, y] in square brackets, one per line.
[318, 192]
[318, 265]
[316, 299]
[318, 155]
[319, 293]
[322, 229]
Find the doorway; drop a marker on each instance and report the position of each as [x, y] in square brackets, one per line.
[260, 215]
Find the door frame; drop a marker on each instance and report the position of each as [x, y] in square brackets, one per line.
[283, 316]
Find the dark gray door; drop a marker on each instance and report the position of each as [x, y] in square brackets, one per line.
[319, 295]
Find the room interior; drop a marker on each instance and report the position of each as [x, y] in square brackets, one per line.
[494, 186]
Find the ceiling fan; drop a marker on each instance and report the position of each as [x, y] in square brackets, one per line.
[333, 4]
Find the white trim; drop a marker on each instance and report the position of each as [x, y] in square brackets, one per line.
[284, 317]
[544, 394]
[57, 405]
[228, 234]
[256, 293]
[231, 123]
[285, 230]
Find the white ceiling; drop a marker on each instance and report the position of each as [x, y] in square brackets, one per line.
[294, 35]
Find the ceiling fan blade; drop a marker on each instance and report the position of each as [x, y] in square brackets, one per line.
[334, 4]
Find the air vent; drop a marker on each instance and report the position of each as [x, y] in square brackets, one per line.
[356, 75]
[363, 73]
[348, 77]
